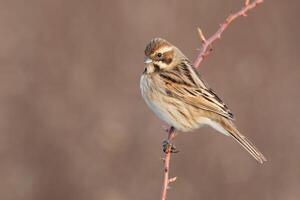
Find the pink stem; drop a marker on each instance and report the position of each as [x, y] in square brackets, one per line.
[171, 135]
[217, 35]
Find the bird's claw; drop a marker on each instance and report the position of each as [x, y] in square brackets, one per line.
[168, 147]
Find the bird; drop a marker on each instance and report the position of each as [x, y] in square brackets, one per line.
[176, 93]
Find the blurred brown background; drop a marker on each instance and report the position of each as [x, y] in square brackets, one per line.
[74, 125]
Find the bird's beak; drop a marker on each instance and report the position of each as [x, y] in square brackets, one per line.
[148, 60]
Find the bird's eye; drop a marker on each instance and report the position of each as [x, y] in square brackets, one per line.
[159, 55]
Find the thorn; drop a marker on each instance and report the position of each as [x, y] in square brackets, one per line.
[201, 35]
[229, 18]
[258, 2]
[247, 2]
[171, 180]
[199, 30]
[244, 14]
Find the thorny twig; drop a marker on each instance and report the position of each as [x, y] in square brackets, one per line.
[171, 135]
[204, 51]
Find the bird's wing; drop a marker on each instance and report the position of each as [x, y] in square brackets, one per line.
[209, 98]
[184, 82]
[200, 97]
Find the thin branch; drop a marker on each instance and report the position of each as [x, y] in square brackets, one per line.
[206, 48]
[217, 35]
[166, 180]
[203, 40]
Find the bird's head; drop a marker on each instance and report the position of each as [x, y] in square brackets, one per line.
[161, 55]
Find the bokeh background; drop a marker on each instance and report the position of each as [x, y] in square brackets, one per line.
[74, 125]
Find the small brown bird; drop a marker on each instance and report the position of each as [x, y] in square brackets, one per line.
[173, 89]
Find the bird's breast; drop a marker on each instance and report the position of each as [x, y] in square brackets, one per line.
[165, 107]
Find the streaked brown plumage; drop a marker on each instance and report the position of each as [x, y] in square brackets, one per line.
[175, 92]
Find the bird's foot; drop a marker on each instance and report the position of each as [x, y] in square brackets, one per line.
[168, 147]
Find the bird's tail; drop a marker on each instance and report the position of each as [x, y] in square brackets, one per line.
[242, 140]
